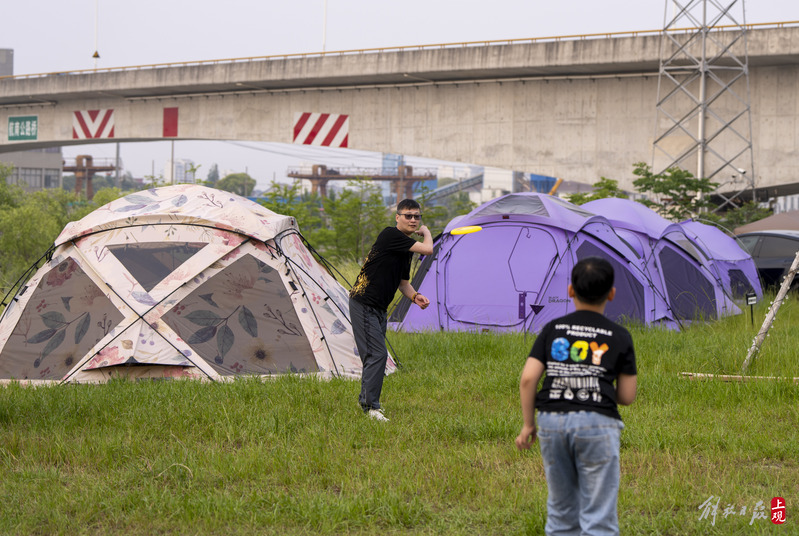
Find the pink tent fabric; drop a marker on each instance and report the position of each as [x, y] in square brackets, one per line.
[180, 281]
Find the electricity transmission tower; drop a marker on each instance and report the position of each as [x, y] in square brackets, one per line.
[703, 120]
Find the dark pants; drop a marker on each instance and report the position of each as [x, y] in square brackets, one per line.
[369, 328]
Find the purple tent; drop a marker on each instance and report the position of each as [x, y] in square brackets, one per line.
[513, 274]
[682, 268]
[731, 263]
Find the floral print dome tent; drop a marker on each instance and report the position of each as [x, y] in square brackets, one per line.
[179, 281]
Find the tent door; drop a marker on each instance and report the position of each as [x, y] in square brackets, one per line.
[490, 275]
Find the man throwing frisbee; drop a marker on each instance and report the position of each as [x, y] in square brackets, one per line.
[387, 268]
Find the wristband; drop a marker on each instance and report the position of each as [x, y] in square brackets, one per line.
[413, 300]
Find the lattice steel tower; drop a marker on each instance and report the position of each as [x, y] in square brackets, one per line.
[703, 120]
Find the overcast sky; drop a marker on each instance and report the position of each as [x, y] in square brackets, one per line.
[59, 35]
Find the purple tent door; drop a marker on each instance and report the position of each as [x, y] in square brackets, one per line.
[691, 293]
[492, 276]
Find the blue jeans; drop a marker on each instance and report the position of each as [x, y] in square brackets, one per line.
[580, 450]
[369, 329]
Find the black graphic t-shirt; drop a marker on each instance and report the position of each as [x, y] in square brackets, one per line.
[388, 263]
[583, 353]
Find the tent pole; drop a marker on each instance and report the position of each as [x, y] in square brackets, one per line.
[772, 312]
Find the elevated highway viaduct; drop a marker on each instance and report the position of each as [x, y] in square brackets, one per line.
[577, 108]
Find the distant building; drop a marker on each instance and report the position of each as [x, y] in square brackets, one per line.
[33, 170]
[37, 169]
[6, 62]
[183, 171]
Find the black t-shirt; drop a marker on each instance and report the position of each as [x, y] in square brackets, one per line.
[583, 352]
[388, 263]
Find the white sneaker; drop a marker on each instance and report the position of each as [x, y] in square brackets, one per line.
[377, 414]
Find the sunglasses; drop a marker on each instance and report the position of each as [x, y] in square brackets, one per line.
[411, 216]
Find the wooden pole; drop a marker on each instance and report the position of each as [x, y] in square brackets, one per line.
[732, 377]
[772, 312]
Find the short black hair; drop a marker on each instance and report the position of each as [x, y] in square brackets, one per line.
[592, 280]
[408, 204]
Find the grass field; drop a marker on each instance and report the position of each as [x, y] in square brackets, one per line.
[296, 456]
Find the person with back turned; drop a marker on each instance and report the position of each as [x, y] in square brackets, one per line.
[386, 269]
[579, 425]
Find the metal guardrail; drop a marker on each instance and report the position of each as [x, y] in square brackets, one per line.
[464, 44]
[96, 162]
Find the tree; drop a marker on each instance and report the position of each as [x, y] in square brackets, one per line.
[237, 183]
[282, 198]
[29, 228]
[356, 217]
[459, 204]
[103, 181]
[104, 196]
[747, 213]
[193, 168]
[154, 181]
[678, 194]
[10, 194]
[603, 189]
[340, 227]
[307, 209]
[127, 182]
[100, 182]
[434, 216]
[68, 183]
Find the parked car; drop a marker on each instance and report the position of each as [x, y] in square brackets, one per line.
[773, 253]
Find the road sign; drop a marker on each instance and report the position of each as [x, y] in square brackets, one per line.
[23, 127]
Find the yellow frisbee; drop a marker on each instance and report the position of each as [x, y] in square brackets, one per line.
[466, 230]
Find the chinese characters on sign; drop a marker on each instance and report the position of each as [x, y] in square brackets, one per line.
[23, 127]
[778, 510]
[710, 509]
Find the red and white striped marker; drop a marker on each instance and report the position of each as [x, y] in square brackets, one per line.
[323, 130]
[90, 124]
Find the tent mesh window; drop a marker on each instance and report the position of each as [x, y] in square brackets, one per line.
[574, 208]
[514, 204]
[526, 205]
[691, 294]
[629, 301]
[151, 262]
[242, 321]
[685, 243]
[739, 284]
[66, 316]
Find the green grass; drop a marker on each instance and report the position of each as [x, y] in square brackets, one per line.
[296, 456]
